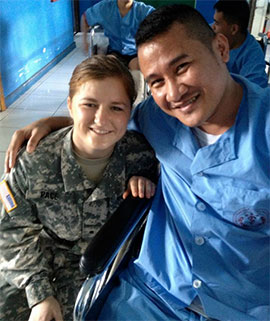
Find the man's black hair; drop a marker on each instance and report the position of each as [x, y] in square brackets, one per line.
[161, 20]
[234, 12]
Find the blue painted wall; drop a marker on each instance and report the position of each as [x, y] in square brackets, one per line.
[33, 33]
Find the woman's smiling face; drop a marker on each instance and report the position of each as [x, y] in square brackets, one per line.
[100, 110]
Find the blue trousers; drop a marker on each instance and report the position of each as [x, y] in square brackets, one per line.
[129, 302]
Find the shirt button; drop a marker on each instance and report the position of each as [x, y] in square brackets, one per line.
[200, 174]
[199, 240]
[197, 284]
[201, 206]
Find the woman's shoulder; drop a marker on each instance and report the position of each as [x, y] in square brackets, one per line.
[134, 142]
[133, 136]
[48, 149]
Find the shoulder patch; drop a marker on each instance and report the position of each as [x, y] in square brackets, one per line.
[6, 197]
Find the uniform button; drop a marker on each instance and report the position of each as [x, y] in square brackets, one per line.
[199, 240]
[197, 284]
[200, 174]
[201, 206]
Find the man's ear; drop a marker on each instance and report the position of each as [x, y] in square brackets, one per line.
[221, 44]
[234, 29]
[69, 104]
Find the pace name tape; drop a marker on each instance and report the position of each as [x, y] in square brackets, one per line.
[6, 197]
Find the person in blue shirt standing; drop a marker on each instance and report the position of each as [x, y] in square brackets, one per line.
[120, 20]
[246, 55]
[205, 250]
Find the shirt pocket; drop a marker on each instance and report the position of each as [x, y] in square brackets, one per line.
[246, 208]
[61, 217]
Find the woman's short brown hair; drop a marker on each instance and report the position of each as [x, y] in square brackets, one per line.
[100, 67]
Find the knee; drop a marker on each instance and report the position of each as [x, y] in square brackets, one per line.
[134, 64]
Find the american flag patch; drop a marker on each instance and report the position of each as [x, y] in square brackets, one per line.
[6, 197]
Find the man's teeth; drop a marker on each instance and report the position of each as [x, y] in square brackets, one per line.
[192, 100]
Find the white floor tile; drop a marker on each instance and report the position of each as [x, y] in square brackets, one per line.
[41, 103]
[52, 89]
[3, 114]
[5, 136]
[19, 118]
[61, 77]
[2, 162]
[63, 106]
[61, 112]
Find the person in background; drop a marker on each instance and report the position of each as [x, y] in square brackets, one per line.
[209, 221]
[120, 20]
[56, 199]
[247, 58]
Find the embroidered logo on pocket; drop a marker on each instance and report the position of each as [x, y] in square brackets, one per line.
[251, 218]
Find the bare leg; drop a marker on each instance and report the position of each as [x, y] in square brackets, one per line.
[134, 64]
[140, 86]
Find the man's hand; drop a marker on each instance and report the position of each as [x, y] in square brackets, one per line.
[33, 133]
[140, 186]
[47, 310]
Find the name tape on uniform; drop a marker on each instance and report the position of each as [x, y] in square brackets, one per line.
[6, 197]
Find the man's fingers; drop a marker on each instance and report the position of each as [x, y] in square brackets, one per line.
[17, 140]
[7, 162]
[32, 143]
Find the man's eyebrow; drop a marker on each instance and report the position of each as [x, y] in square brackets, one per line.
[176, 59]
[171, 63]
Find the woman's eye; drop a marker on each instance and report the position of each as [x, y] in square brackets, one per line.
[117, 108]
[90, 105]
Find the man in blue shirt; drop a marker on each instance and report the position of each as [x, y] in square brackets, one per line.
[120, 20]
[246, 55]
[205, 250]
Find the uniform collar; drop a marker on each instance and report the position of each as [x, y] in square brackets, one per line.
[114, 177]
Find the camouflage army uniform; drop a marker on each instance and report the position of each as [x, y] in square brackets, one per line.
[59, 210]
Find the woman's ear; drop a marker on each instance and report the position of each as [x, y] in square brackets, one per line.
[69, 104]
[222, 46]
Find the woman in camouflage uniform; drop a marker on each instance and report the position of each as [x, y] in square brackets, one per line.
[57, 198]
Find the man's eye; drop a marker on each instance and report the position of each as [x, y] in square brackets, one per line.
[182, 67]
[155, 83]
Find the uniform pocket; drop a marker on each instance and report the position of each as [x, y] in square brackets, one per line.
[60, 217]
[248, 209]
